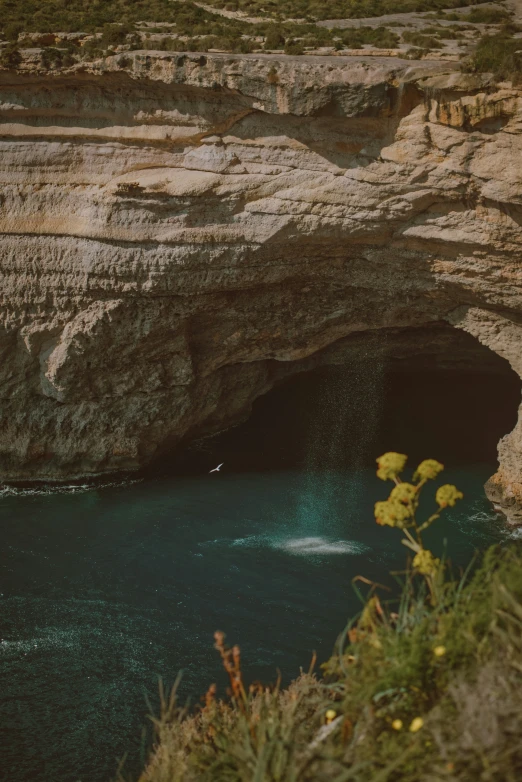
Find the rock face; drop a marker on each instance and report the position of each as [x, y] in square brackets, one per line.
[179, 232]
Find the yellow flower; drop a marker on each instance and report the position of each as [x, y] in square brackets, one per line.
[416, 724]
[439, 651]
[404, 492]
[392, 513]
[448, 495]
[330, 715]
[427, 470]
[390, 465]
[426, 563]
[397, 724]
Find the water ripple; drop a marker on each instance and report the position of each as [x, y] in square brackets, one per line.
[75, 488]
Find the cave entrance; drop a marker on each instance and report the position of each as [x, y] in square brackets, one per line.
[434, 393]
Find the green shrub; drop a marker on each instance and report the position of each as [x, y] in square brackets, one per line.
[12, 30]
[52, 57]
[380, 37]
[10, 56]
[124, 62]
[115, 34]
[274, 39]
[486, 16]
[423, 41]
[416, 53]
[498, 54]
[446, 33]
[294, 47]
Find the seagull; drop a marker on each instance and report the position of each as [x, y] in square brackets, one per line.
[217, 469]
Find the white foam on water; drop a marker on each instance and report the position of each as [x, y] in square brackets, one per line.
[483, 515]
[53, 640]
[77, 488]
[306, 546]
[311, 546]
[252, 540]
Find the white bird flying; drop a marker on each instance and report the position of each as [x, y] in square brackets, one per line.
[217, 469]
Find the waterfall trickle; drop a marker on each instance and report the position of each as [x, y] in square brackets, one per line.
[345, 418]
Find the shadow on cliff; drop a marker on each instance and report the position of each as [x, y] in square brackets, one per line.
[453, 407]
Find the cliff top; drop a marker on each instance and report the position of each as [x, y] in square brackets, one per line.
[484, 37]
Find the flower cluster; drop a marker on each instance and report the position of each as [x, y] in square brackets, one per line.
[448, 495]
[428, 470]
[390, 465]
[399, 509]
[392, 514]
[404, 492]
[426, 563]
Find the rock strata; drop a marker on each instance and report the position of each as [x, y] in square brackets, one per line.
[178, 232]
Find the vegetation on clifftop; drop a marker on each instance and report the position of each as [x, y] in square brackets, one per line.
[289, 26]
[18, 16]
[185, 27]
[91, 15]
[333, 9]
[427, 687]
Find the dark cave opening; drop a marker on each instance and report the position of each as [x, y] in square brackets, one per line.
[342, 416]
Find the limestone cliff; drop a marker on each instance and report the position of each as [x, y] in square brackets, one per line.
[178, 232]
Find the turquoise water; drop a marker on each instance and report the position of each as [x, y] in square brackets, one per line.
[104, 589]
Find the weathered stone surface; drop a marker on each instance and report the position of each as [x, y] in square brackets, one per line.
[178, 234]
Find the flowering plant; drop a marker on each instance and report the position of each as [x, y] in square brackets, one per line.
[401, 507]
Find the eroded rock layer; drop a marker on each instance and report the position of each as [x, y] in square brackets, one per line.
[178, 233]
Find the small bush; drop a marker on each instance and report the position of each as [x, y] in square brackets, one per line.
[446, 33]
[243, 46]
[379, 37]
[274, 39]
[115, 35]
[415, 53]
[10, 56]
[486, 16]
[12, 30]
[57, 58]
[124, 62]
[498, 54]
[423, 41]
[294, 47]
